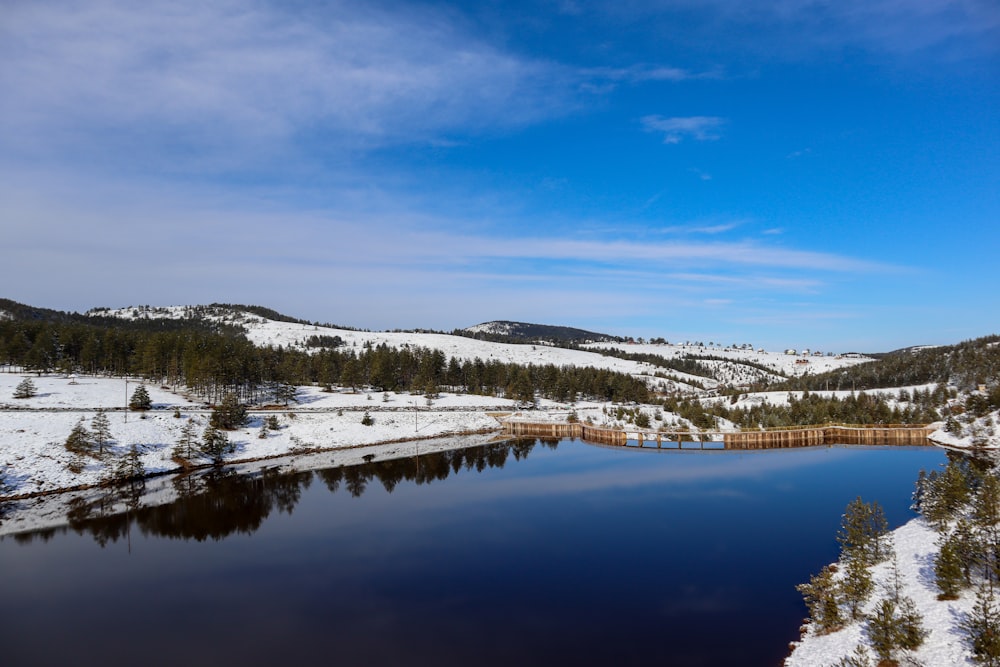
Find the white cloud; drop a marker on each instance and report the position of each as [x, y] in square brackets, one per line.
[676, 129]
[228, 75]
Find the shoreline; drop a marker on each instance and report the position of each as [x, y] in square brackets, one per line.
[110, 484]
[48, 510]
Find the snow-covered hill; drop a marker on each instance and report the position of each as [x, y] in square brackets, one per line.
[732, 370]
[536, 332]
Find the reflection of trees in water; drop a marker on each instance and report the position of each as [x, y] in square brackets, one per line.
[426, 468]
[220, 502]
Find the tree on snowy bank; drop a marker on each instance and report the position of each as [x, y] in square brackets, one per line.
[100, 428]
[230, 414]
[25, 389]
[894, 625]
[215, 445]
[140, 399]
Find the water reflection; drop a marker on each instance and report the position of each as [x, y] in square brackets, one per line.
[217, 503]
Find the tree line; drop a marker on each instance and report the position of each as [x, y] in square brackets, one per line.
[213, 363]
[965, 365]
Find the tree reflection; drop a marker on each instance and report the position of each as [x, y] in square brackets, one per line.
[220, 502]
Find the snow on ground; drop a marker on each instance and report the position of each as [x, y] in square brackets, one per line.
[51, 511]
[781, 398]
[982, 433]
[785, 364]
[33, 431]
[915, 550]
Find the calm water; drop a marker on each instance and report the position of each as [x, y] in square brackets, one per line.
[518, 553]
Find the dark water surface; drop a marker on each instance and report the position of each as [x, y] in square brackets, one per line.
[519, 553]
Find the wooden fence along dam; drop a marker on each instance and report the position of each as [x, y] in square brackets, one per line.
[777, 439]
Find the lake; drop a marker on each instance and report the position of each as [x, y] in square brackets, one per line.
[522, 552]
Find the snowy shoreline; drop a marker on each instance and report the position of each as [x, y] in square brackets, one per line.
[916, 545]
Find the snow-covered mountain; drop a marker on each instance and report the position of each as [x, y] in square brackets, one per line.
[727, 366]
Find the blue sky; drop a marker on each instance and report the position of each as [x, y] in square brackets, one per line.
[796, 173]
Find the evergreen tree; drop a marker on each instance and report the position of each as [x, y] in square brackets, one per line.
[215, 444]
[79, 441]
[948, 571]
[945, 494]
[285, 392]
[230, 414]
[129, 467]
[367, 419]
[101, 430]
[821, 598]
[856, 586]
[25, 389]
[985, 517]
[893, 627]
[862, 532]
[982, 628]
[187, 443]
[859, 658]
[140, 399]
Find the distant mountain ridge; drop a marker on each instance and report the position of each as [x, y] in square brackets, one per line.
[541, 332]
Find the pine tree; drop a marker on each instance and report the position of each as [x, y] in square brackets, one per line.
[859, 658]
[230, 414]
[185, 448]
[129, 467]
[140, 399]
[856, 586]
[893, 627]
[101, 430]
[945, 494]
[25, 389]
[862, 532]
[215, 444]
[367, 419]
[948, 572]
[285, 392]
[986, 518]
[910, 626]
[982, 628]
[820, 596]
[79, 440]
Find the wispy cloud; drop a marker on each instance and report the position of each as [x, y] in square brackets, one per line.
[195, 78]
[717, 228]
[418, 269]
[643, 72]
[676, 129]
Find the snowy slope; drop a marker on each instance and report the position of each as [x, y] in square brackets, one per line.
[780, 362]
[266, 332]
[915, 550]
